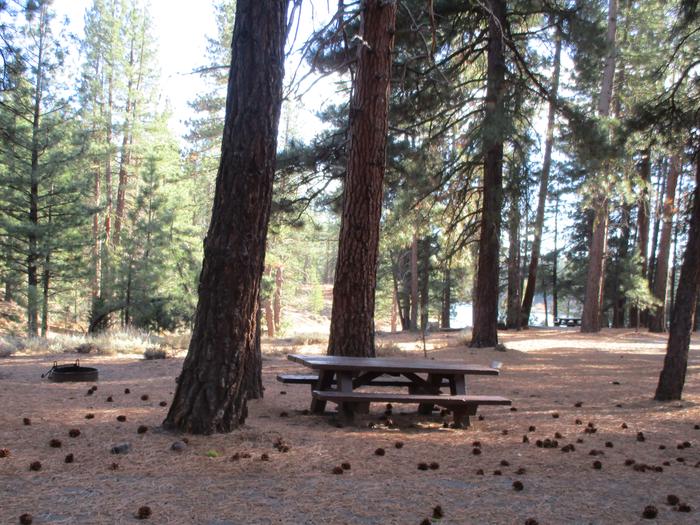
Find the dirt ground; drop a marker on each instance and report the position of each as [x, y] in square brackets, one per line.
[546, 372]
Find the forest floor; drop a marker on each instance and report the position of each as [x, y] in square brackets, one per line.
[546, 372]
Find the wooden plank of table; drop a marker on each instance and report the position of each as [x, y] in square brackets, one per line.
[390, 365]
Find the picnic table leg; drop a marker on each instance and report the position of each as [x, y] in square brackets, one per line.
[458, 386]
[461, 415]
[434, 380]
[325, 380]
[344, 380]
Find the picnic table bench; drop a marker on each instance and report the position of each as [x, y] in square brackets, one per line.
[338, 378]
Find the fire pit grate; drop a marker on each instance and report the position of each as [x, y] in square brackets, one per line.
[72, 373]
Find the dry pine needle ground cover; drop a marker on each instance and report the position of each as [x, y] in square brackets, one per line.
[280, 467]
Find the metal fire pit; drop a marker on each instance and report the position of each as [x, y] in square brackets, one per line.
[72, 373]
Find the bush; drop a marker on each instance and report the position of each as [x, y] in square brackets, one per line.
[156, 353]
[9, 345]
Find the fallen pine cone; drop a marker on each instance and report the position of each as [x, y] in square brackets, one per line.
[144, 513]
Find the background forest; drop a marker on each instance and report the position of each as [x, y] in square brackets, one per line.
[103, 208]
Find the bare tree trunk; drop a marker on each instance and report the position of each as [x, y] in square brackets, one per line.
[414, 282]
[619, 303]
[485, 332]
[222, 367]
[32, 237]
[657, 317]
[394, 309]
[593, 301]
[642, 224]
[269, 318]
[352, 318]
[544, 183]
[672, 377]
[677, 227]
[658, 211]
[555, 289]
[125, 159]
[513, 313]
[544, 297]
[46, 277]
[277, 299]
[590, 318]
[133, 87]
[446, 295]
[424, 283]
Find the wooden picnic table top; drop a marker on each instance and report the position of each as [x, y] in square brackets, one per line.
[398, 365]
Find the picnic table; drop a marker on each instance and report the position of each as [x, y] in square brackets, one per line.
[338, 378]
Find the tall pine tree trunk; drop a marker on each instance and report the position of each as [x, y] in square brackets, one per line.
[414, 281]
[125, 159]
[593, 300]
[446, 295]
[529, 294]
[672, 377]
[643, 204]
[352, 317]
[484, 333]
[277, 299]
[222, 367]
[33, 235]
[133, 88]
[424, 282]
[658, 211]
[657, 317]
[619, 305]
[555, 265]
[513, 313]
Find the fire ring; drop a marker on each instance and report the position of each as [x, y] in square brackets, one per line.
[71, 373]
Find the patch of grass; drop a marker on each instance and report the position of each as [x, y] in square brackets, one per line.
[9, 345]
[156, 353]
[212, 454]
[389, 349]
[309, 339]
[129, 341]
[464, 337]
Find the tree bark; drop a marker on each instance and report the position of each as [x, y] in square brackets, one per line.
[529, 294]
[352, 317]
[555, 266]
[414, 282]
[222, 367]
[277, 299]
[32, 237]
[485, 333]
[593, 301]
[590, 318]
[269, 318]
[657, 317]
[424, 283]
[672, 377]
[642, 224]
[394, 308]
[620, 301]
[658, 211]
[446, 295]
[513, 312]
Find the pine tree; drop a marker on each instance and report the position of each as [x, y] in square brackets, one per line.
[352, 318]
[222, 368]
[42, 197]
